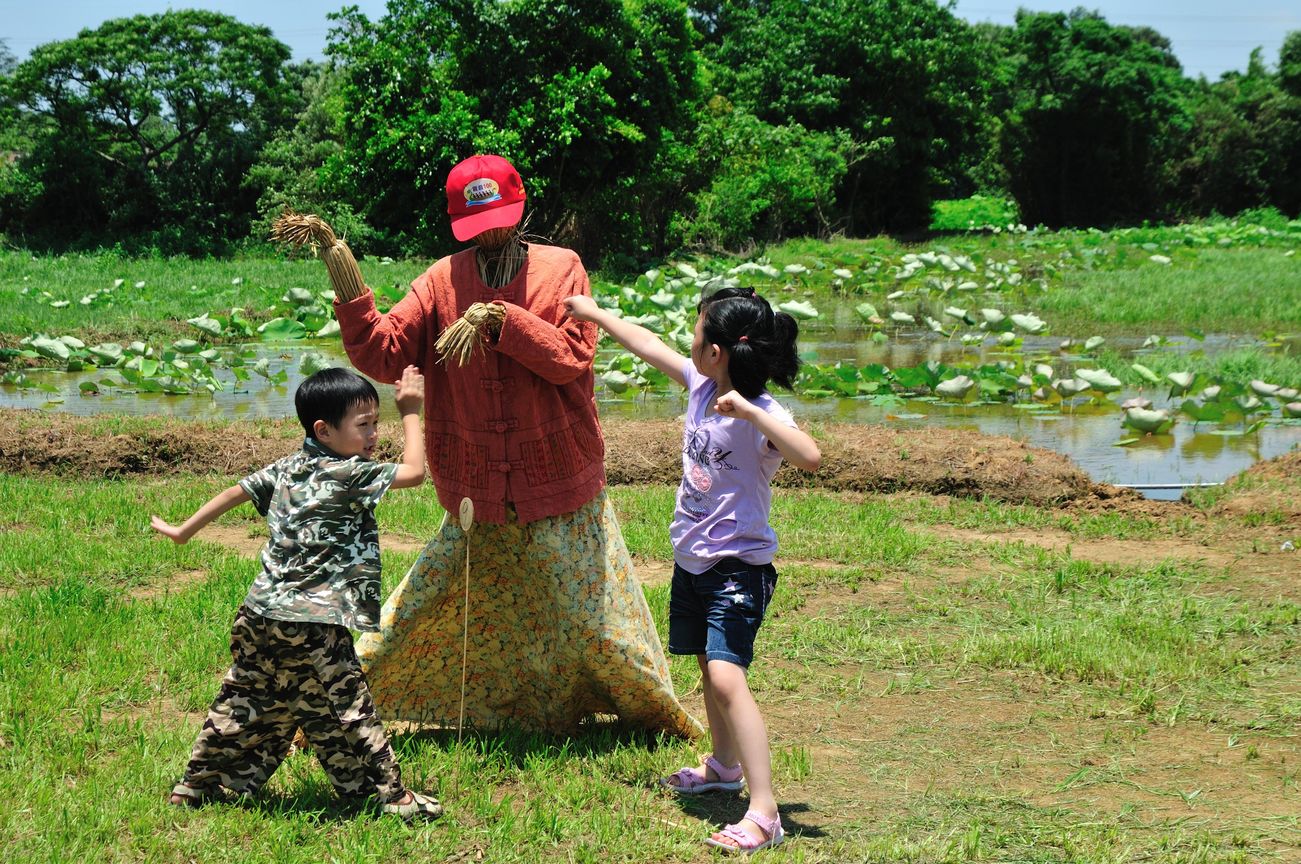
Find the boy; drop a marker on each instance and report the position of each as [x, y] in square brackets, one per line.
[294, 662]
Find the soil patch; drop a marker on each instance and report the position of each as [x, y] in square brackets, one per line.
[178, 581]
[855, 458]
[1102, 551]
[1271, 489]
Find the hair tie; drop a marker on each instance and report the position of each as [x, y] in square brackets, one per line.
[744, 339]
[753, 295]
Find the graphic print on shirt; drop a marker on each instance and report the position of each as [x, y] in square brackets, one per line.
[697, 482]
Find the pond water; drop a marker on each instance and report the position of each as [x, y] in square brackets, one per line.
[1088, 434]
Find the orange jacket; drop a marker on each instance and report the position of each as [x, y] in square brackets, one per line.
[518, 422]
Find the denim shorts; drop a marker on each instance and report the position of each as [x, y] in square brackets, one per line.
[717, 613]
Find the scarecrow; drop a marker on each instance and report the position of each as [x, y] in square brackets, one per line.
[553, 627]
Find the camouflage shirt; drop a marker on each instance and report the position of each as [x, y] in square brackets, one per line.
[322, 561]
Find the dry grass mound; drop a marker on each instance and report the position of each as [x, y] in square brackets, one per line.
[855, 458]
[1269, 489]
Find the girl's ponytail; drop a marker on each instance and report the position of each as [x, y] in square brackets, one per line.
[760, 342]
[784, 361]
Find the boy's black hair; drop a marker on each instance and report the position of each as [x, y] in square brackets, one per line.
[329, 394]
[760, 341]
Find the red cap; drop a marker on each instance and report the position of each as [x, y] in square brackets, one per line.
[484, 192]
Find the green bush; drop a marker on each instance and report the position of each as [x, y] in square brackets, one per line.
[768, 182]
[978, 211]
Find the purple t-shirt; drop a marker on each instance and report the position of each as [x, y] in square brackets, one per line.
[724, 497]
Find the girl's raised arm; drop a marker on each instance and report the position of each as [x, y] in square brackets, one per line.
[634, 337]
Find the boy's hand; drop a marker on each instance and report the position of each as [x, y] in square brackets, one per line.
[410, 394]
[168, 530]
[733, 404]
[581, 307]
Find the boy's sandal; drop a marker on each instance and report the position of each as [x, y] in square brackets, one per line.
[693, 780]
[743, 841]
[421, 808]
[191, 797]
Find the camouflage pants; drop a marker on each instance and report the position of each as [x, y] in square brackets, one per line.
[287, 675]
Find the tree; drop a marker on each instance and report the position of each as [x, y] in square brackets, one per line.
[1096, 110]
[290, 170]
[1289, 64]
[7, 59]
[905, 81]
[149, 124]
[765, 182]
[591, 100]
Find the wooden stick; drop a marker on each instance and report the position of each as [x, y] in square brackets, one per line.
[467, 522]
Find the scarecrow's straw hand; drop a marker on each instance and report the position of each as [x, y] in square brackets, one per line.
[486, 316]
[304, 230]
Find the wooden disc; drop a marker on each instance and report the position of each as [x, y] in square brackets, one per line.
[467, 515]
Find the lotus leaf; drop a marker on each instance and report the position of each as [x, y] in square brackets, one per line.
[299, 297]
[1248, 403]
[1182, 382]
[955, 388]
[1029, 323]
[1145, 373]
[53, 349]
[799, 309]
[1068, 387]
[867, 312]
[211, 326]
[1209, 412]
[1149, 422]
[282, 328]
[106, 354]
[1099, 379]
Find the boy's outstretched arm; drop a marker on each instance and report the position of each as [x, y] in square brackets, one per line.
[218, 504]
[410, 397]
[634, 337]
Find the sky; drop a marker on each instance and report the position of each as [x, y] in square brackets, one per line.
[1210, 37]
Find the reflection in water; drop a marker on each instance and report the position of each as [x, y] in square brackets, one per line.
[1087, 434]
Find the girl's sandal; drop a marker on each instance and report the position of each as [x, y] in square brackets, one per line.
[188, 796]
[421, 808]
[734, 838]
[693, 781]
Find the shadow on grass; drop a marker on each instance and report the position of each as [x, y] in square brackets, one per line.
[515, 746]
[725, 809]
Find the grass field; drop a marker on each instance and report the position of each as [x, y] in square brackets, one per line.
[1098, 283]
[945, 680]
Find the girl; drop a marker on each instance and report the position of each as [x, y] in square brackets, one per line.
[735, 437]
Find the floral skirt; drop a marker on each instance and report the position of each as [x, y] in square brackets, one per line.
[558, 630]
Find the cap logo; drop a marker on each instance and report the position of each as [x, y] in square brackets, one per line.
[481, 191]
